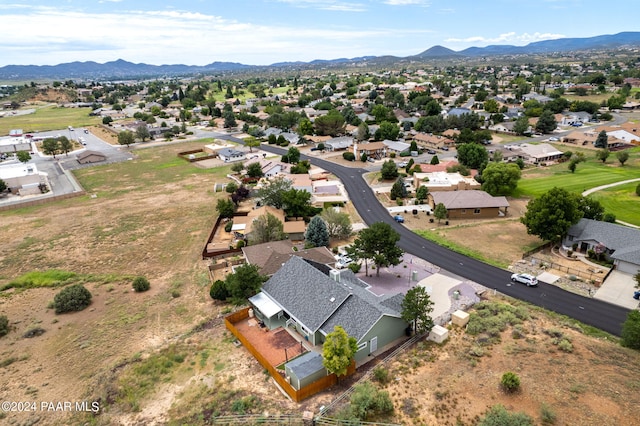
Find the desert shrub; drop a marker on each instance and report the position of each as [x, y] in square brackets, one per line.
[4, 325]
[510, 382]
[547, 415]
[381, 374]
[218, 291]
[240, 244]
[141, 284]
[565, 345]
[499, 416]
[349, 156]
[355, 267]
[228, 226]
[72, 298]
[368, 401]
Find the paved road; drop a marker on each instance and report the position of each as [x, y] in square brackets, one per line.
[590, 311]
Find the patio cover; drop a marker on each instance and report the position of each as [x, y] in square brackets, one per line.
[264, 304]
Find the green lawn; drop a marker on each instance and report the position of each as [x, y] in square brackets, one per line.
[48, 118]
[589, 174]
[220, 96]
[622, 201]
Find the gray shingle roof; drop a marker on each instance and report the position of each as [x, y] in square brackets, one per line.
[306, 294]
[624, 240]
[306, 365]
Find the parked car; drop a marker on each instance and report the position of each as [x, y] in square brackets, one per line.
[398, 218]
[636, 295]
[371, 160]
[445, 148]
[403, 164]
[431, 151]
[553, 139]
[527, 279]
[343, 261]
[86, 131]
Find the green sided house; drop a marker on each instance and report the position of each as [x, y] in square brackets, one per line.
[312, 299]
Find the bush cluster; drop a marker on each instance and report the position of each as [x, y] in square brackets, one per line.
[72, 298]
[4, 325]
[510, 382]
[141, 284]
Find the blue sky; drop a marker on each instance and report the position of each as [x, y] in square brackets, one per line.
[261, 32]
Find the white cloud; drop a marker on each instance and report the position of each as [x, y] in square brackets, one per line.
[331, 5]
[507, 38]
[407, 2]
[160, 37]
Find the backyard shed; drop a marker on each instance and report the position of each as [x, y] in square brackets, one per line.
[305, 370]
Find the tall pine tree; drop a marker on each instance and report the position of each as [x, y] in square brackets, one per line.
[317, 234]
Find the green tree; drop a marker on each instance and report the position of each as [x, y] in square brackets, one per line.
[142, 132]
[317, 234]
[338, 351]
[363, 132]
[231, 187]
[218, 291]
[363, 157]
[338, 223]
[107, 120]
[266, 228]
[378, 243]
[244, 283]
[473, 155]
[521, 125]
[416, 309]
[305, 127]
[73, 298]
[622, 157]
[65, 144]
[590, 208]
[254, 170]
[297, 203]
[546, 122]
[251, 142]
[440, 212]
[23, 156]
[387, 131]
[500, 178]
[398, 190]
[602, 141]
[631, 330]
[140, 284]
[389, 170]
[552, 214]
[499, 416]
[491, 106]
[331, 124]
[51, 146]
[292, 156]
[272, 194]
[229, 93]
[126, 137]
[421, 193]
[229, 119]
[435, 160]
[602, 155]
[3, 186]
[225, 207]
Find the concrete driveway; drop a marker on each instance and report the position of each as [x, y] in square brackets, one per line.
[618, 290]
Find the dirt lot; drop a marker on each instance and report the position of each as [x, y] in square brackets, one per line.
[164, 354]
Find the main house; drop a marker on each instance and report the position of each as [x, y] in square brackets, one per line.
[312, 299]
[619, 243]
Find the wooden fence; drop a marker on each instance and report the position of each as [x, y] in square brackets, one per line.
[209, 254]
[296, 395]
[185, 155]
[596, 275]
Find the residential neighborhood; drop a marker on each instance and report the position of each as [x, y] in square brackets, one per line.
[283, 243]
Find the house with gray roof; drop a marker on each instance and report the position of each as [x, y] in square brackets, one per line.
[619, 243]
[312, 299]
[339, 143]
[229, 154]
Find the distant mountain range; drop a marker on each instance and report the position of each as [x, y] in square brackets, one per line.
[122, 69]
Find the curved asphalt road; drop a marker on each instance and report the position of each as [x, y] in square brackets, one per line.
[590, 311]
